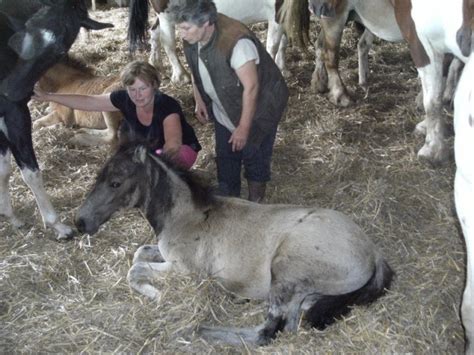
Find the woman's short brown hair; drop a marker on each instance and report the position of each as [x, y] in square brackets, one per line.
[141, 70]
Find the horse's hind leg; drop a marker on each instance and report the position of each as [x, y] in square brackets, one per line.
[363, 47]
[276, 44]
[435, 149]
[167, 36]
[329, 54]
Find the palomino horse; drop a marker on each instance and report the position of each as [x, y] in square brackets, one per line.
[283, 16]
[387, 19]
[301, 259]
[464, 187]
[71, 75]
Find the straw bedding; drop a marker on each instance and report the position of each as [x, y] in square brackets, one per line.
[73, 296]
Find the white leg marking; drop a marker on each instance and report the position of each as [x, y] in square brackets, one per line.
[34, 181]
[141, 275]
[435, 148]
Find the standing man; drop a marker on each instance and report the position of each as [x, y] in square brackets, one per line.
[238, 86]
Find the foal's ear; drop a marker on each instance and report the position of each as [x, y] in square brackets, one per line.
[140, 154]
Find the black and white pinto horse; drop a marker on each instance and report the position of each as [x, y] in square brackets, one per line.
[34, 34]
[302, 260]
[285, 18]
[464, 187]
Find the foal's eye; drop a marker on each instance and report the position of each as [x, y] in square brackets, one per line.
[114, 184]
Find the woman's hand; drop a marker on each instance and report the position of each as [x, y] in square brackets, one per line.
[201, 112]
[239, 137]
[39, 94]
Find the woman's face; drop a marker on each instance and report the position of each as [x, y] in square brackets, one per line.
[141, 93]
[192, 33]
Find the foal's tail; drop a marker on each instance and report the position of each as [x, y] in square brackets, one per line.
[329, 308]
[137, 24]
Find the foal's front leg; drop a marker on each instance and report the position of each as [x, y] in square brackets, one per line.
[147, 266]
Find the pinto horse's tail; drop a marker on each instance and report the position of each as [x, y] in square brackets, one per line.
[327, 309]
[137, 24]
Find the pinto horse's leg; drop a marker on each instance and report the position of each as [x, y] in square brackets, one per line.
[363, 47]
[319, 79]
[167, 36]
[454, 72]
[332, 29]
[276, 44]
[435, 149]
[464, 188]
[18, 123]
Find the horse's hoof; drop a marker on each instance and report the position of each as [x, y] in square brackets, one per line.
[318, 86]
[182, 78]
[341, 100]
[420, 130]
[64, 232]
[433, 157]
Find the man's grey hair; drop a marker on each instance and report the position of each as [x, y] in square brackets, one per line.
[193, 11]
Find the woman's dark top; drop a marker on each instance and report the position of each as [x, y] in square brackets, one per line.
[153, 134]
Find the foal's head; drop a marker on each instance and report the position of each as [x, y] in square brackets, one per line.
[134, 177]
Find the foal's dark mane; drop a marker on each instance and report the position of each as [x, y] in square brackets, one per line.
[201, 191]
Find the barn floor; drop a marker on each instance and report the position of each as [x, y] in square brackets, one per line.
[73, 296]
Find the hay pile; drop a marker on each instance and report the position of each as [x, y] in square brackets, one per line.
[73, 296]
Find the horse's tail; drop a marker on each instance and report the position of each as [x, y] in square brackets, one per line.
[329, 308]
[294, 16]
[137, 24]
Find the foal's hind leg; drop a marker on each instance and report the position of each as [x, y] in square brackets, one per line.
[284, 314]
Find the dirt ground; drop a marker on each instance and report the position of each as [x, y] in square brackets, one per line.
[73, 296]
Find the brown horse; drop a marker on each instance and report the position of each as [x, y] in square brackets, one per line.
[72, 76]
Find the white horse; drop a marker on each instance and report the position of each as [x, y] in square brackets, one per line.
[246, 11]
[310, 261]
[464, 187]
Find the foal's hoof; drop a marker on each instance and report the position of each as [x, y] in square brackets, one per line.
[64, 232]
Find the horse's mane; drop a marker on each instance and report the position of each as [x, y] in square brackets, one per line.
[201, 191]
[76, 63]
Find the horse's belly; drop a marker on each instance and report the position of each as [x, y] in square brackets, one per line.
[438, 23]
[247, 11]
